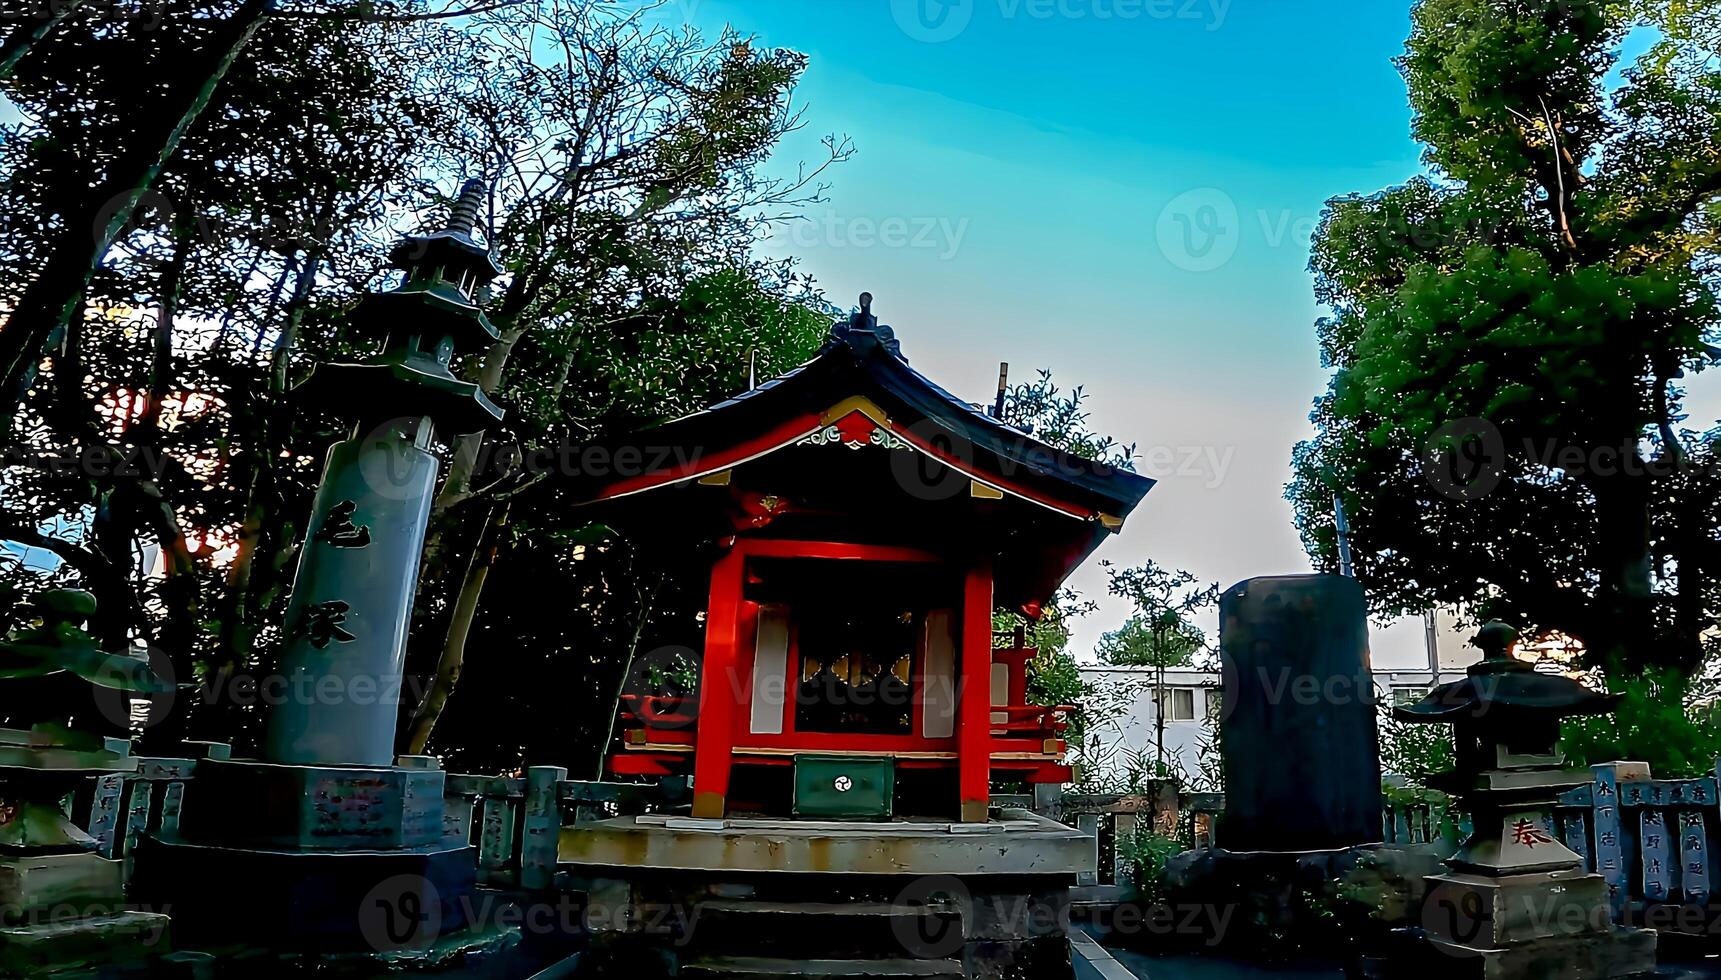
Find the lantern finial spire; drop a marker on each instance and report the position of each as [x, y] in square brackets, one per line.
[467, 207]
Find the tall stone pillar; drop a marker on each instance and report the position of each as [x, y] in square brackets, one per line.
[1300, 747]
[323, 842]
[352, 599]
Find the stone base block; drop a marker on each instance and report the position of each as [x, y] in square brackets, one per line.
[93, 942]
[362, 901]
[1488, 913]
[1610, 955]
[268, 806]
[47, 887]
[1603, 956]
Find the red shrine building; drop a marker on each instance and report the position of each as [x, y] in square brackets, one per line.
[862, 525]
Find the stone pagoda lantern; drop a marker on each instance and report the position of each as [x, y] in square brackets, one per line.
[1516, 901]
[62, 903]
[325, 838]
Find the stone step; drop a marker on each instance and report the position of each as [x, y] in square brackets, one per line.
[766, 968]
[88, 942]
[833, 910]
[754, 927]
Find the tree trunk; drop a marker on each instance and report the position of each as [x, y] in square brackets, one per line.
[453, 657]
[56, 296]
[1622, 636]
[24, 37]
[444, 518]
[282, 355]
[161, 359]
[182, 629]
[646, 605]
[461, 467]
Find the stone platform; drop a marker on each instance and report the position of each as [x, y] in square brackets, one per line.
[763, 898]
[357, 900]
[354, 857]
[1017, 842]
[246, 803]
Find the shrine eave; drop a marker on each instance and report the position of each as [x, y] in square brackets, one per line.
[870, 393]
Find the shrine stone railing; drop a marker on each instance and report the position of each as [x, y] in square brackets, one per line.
[514, 822]
[1649, 839]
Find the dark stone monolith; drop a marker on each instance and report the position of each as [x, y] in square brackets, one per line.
[1302, 764]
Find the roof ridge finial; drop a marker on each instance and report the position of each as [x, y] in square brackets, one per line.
[861, 332]
[467, 207]
[863, 318]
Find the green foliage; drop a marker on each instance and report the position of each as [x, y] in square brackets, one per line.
[1059, 418]
[1147, 852]
[1140, 643]
[1414, 752]
[1158, 632]
[1054, 676]
[1653, 724]
[1508, 333]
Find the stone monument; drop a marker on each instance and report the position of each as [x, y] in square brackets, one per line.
[1516, 901]
[1301, 757]
[324, 839]
[1301, 761]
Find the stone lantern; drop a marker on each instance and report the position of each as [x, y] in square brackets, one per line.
[62, 902]
[1516, 901]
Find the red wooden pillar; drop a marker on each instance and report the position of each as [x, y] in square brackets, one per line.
[719, 685]
[974, 695]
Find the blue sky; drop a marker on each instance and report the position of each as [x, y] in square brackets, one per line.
[1122, 192]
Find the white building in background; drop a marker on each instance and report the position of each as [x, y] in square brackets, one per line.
[1409, 659]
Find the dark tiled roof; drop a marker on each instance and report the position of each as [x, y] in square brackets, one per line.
[864, 358]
